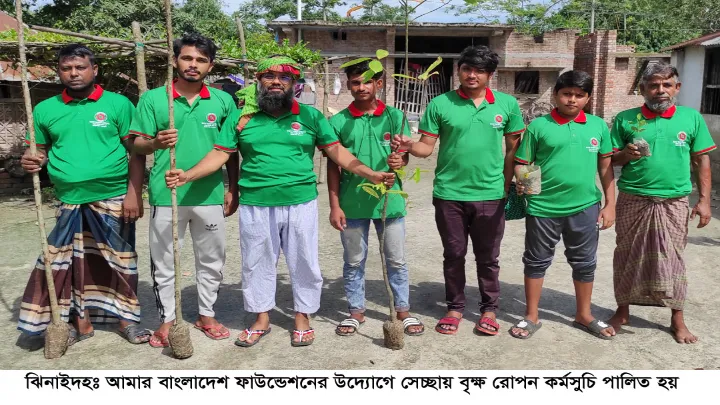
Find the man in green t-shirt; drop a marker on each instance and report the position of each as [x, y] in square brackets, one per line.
[656, 145]
[82, 136]
[570, 147]
[277, 138]
[472, 178]
[200, 113]
[365, 128]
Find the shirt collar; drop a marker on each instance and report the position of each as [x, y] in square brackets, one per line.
[94, 96]
[650, 114]
[580, 119]
[489, 96]
[204, 92]
[357, 113]
[295, 107]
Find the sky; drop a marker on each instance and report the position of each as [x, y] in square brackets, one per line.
[441, 15]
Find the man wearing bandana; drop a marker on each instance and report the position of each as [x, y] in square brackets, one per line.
[276, 137]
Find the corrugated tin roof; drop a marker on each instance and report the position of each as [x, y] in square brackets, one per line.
[706, 40]
[35, 73]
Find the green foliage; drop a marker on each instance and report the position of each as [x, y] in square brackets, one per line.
[375, 66]
[649, 25]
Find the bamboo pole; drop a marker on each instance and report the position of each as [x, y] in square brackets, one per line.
[179, 332]
[56, 338]
[246, 70]
[139, 58]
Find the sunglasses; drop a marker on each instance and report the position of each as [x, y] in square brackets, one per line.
[270, 77]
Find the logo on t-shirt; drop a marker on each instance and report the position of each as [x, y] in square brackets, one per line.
[386, 139]
[296, 129]
[682, 137]
[594, 145]
[210, 121]
[100, 120]
[498, 123]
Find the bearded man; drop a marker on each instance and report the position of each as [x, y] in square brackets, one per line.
[655, 144]
[276, 137]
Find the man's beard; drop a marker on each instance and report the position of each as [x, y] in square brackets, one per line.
[273, 101]
[659, 106]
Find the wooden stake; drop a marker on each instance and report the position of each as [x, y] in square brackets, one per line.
[246, 71]
[50, 280]
[139, 58]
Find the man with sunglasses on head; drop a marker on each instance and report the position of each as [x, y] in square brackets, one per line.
[276, 137]
[200, 112]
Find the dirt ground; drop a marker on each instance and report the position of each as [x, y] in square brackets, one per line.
[646, 344]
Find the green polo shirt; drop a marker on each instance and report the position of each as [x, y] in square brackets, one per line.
[673, 136]
[87, 160]
[567, 153]
[470, 160]
[368, 136]
[198, 128]
[277, 155]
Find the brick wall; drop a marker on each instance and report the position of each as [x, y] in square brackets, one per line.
[13, 185]
[557, 49]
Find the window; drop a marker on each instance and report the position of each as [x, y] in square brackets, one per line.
[711, 93]
[339, 35]
[527, 82]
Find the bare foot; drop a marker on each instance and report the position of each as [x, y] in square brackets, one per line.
[451, 314]
[349, 329]
[679, 329]
[83, 326]
[262, 322]
[620, 318]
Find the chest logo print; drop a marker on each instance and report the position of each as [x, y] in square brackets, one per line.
[100, 120]
[498, 122]
[296, 129]
[386, 139]
[210, 121]
[682, 138]
[594, 145]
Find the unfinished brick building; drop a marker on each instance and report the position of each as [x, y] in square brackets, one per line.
[528, 66]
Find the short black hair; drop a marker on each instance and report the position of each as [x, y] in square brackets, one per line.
[76, 50]
[360, 68]
[205, 45]
[574, 78]
[480, 57]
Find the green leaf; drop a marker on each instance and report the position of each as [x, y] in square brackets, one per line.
[369, 189]
[353, 62]
[381, 53]
[367, 76]
[400, 192]
[433, 66]
[401, 172]
[381, 187]
[416, 175]
[376, 66]
[404, 76]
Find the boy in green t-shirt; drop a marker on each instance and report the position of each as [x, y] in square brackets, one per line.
[570, 147]
[200, 112]
[365, 128]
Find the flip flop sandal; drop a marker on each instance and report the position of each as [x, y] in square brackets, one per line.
[162, 340]
[74, 338]
[528, 326]
[136, 335]
[489, 322]
[348, 323]
[412, 321]
[260, 332]
[449, 321]
[301, 333]
[594, 328]
[224, 332]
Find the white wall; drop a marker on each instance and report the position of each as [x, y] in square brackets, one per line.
[690, 63]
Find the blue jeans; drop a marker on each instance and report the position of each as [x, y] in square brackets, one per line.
[355, 242]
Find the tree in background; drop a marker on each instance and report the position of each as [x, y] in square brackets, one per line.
[650, 25]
